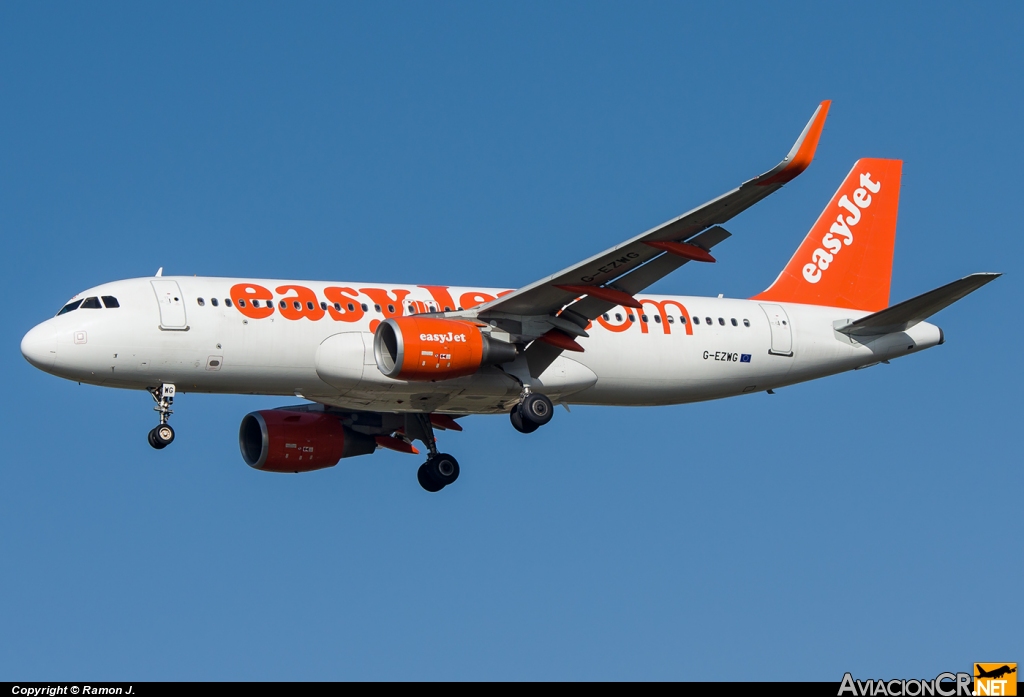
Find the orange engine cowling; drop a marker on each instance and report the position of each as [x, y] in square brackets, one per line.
[431, 348]
[281, 440]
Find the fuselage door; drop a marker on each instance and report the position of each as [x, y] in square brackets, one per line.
[172, 306]
[782, 332]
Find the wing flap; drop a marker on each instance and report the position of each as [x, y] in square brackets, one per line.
[646, 275]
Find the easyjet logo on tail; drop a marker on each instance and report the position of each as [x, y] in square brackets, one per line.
[845, 260]
[841, 232]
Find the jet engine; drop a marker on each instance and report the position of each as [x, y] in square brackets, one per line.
[281, 440]
[432, 348]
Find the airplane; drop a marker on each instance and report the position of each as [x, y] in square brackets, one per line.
[995, 673]
[385, 366]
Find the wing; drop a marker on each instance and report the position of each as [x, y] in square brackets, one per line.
[614, 266]
[558, 307]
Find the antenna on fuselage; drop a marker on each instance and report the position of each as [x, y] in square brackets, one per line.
[160, 272]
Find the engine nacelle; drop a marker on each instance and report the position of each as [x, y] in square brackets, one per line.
[431, 348]
[280, 440]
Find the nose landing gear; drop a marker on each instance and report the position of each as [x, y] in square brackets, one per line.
[531, 413]
[163, 435]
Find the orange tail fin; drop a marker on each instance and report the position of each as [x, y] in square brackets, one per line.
[846, 258]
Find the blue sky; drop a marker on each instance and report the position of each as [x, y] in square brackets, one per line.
[863, 522]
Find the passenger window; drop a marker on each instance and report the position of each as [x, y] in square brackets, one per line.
[201, 302]
[363, 305]
[631, 318]
[376, 307]
[337, 307]
[734, 322]
[69, 307]
[323, 305]
[783, 321]
[643, 318]
[391, 309]
[309, 304]
[110, 301]
[351, 307]
[746, 323]
[707, 321]
[91, 304]
[255, 303]
[241, 302]
[657, 319]
[696, 320]
[213, 301]
[447, 309]
[296, 304]
[721, 321]
[671, 320]
[227, 302]
[618, 316]
[682, 319]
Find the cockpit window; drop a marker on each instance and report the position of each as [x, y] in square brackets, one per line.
[110, 301]
[91, 304]
[69, 307]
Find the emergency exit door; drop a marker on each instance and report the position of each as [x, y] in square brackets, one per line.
[782, 332]
[172, 305]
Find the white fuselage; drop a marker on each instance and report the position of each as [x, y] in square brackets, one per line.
[689, 348]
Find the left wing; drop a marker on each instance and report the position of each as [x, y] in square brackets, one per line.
[624, 267]
[560, 306]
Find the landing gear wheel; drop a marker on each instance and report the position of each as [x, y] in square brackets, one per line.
[426, 479]
[161, 436]
[438, 472]
[517, 421]
[536, 409]
[444, 468]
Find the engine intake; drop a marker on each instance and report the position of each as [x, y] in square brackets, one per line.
[430, 348]
[280, 440]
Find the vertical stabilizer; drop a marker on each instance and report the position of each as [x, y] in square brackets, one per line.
[846, 258]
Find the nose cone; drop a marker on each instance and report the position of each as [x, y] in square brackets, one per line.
[39, 347]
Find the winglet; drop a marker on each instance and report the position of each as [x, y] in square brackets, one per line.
[802, 153]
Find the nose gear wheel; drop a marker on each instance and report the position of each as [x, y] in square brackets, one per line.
[161, 436]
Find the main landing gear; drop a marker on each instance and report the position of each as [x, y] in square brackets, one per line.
[532, 412]
[163, 435]
[440, 469]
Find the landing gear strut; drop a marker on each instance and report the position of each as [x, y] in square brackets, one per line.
[531, 413]
[440, 469]
[163, 435]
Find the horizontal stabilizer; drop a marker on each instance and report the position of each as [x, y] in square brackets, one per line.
[906, 314]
